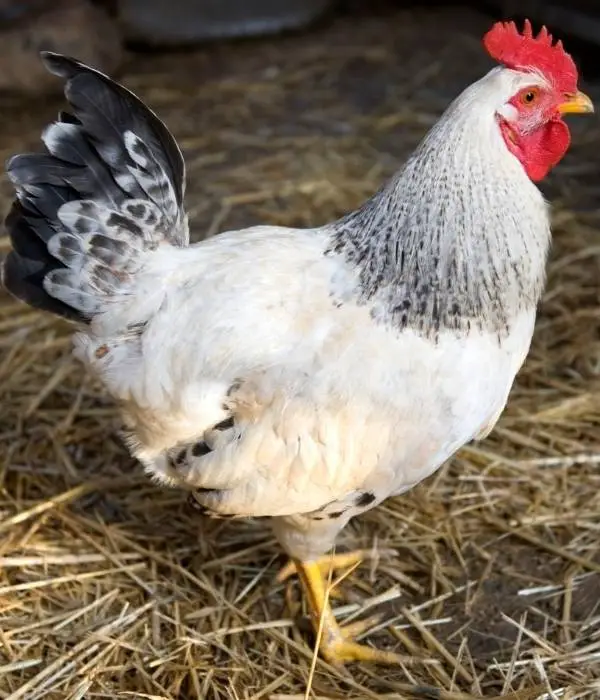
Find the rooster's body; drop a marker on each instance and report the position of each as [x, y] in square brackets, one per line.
[302, 375]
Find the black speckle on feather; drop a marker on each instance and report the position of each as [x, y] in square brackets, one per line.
[109, 250]
[120, 221]
[226, 424]
[199, 449]
[137, 328]
[207, 510]
[193, 503]
[235, 386]
[68, 249]
[204, 510]
[365, 499]
[82, 226]
[179, 459]
[137, 210]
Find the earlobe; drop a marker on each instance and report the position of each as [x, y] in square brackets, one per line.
[508, 112]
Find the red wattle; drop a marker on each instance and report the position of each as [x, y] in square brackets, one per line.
[540, 150]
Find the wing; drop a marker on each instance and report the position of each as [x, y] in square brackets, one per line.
[284, 449]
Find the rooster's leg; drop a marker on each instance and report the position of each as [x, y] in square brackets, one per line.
[336, 642]
[328, 562]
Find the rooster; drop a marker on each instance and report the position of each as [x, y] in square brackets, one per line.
[302, 375]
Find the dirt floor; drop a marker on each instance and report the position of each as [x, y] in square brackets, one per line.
[488, 573]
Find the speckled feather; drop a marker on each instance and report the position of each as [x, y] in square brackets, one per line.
[299, 375]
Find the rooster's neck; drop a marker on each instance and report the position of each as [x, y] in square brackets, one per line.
[457, 240]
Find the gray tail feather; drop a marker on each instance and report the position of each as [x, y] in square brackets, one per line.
[109, 186]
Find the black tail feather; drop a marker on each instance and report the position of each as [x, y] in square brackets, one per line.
[124, 175]
[106, 109]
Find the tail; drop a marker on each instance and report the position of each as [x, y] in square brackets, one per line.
[108, 190]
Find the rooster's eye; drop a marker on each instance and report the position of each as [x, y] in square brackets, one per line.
[529, 97]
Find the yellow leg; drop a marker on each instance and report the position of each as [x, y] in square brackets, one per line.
[334, 562]
[336, 643]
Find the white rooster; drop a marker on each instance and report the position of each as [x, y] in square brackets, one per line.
[304, 375]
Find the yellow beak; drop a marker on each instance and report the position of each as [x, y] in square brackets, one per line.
[579, 103]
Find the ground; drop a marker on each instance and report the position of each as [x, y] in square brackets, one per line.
[488, 573]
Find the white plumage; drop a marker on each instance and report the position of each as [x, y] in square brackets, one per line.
[327, 402]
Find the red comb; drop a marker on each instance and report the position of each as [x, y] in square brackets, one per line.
[525, 51]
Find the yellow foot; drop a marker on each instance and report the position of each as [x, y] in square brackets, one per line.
[339, 652]
[336, 643]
